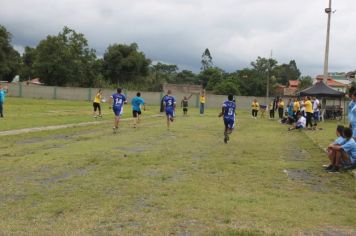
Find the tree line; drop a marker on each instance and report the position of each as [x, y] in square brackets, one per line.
[66, 59]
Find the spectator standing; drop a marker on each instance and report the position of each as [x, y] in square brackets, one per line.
[202, 100]
[280, 108]
[316, 110]
[308, 111]
[255, 107]
[272, 107]
[3, 93]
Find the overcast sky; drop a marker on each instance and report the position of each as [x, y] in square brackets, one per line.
[178, 31]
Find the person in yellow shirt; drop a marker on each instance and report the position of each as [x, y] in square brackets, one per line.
[202, 99]
[280, 108]
[309, 111]
[296, 107]
[96, 103]
[255, 107]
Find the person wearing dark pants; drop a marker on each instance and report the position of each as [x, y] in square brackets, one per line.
[255, 107]
[272, 108]
[280, 108]
[308, 111]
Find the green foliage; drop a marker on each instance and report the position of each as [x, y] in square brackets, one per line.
[124, 63]
[9, 58]
[211, 77]
[65, 59]
[227, 86]
[286, 72]
[305, 82]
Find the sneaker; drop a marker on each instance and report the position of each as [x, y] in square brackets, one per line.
[100, 116]
[225, 139]
[114, 130]
[334, 170]
[329, 167]
[95, 116]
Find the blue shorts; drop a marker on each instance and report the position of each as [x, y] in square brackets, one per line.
[229, 123]
[117, 111]
[170, 112]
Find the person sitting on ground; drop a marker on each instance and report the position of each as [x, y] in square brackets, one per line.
[300, 124]
[345, 154]
[338, 141]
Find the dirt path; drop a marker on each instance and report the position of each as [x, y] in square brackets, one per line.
[55, 127]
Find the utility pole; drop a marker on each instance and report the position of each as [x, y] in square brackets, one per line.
[326, 59]
[268, 78]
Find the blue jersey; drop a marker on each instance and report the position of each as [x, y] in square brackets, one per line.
[230, 108]
[340, 140]
[350, 148]
[169, 102]
[136, 103]
[118, 101]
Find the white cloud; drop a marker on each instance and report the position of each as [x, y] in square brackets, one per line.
[177, 31]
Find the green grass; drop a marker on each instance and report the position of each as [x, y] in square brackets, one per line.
[150, 181]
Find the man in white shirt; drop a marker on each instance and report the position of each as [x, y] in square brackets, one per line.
[316, 110]
[300, 124]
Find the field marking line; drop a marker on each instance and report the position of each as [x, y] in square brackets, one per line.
[55, 127]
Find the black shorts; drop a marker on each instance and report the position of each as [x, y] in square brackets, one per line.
[185, 108]
[136, 113]
[96, 106]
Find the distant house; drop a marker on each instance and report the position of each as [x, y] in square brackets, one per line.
[289, 90]
[339, 83]
[351, 75]
[35, 81]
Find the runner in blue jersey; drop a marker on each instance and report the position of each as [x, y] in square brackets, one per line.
[118, 100]
[170, 105]
[136, 103]
[228, 112]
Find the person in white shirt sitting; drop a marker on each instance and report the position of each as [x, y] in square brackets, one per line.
[300, 124]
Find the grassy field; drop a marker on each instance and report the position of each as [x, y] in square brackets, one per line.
[150, 181]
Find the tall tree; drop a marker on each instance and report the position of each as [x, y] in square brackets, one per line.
[286, 72]
[211, 77]
[9, 58]
[206, 60]
[65, 59]
[124, 63]
[28, 59]
[305, 82]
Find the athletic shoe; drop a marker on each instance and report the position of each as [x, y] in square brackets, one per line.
[114, 129]
[334, 170]
[329, 167]
[226, 138]
[100, 116]
[95, 116]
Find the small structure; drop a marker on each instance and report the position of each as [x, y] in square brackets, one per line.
[338, 85]
[35, 81]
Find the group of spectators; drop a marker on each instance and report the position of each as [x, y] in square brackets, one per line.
[299, 112]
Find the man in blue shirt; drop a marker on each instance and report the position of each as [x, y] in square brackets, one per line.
[169, 106]
[345, 153]
[3, 92]
[136, 108]
[228, 110]
[118, 100]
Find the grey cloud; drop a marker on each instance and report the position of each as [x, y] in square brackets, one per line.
[177, 31]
